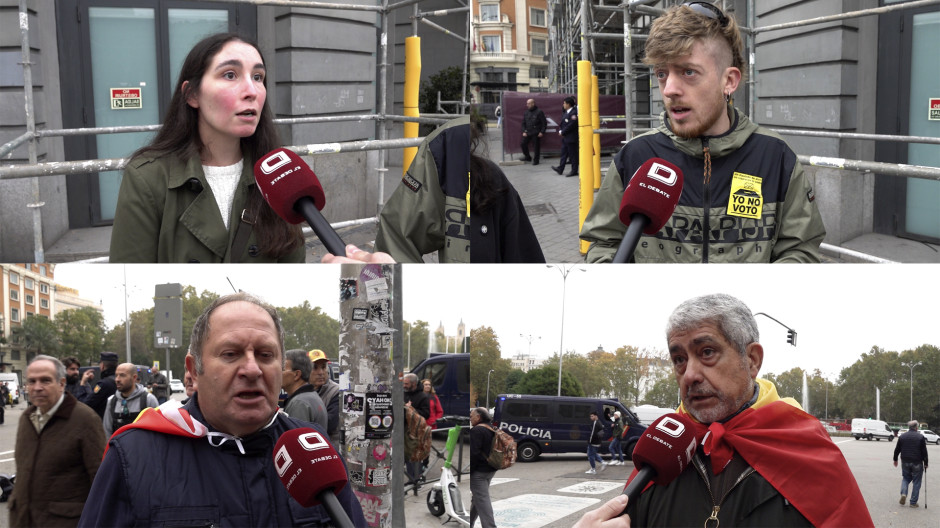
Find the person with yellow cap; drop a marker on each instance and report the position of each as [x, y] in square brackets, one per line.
[327, 389]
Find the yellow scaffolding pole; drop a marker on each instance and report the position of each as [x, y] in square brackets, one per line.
[595, 125]
[412, 87]
[585, 146]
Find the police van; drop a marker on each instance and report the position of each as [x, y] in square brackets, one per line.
[450, 377]
[552, 424]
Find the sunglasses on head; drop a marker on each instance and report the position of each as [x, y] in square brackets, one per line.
[708, 10]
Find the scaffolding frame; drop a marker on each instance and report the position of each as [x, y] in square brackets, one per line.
[636, 16]
[34, 170]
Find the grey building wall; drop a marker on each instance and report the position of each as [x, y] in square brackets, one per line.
[324, 62]
[822, 77]
[16, 218]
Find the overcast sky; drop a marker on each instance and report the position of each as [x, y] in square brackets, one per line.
[839, 311]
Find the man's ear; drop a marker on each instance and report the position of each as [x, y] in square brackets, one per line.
[191, 368]
[730, 80]
[754, 354]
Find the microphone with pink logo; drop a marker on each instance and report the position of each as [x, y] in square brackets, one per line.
[648, 201]
[663, 451]
[312, 471]
[295, 194]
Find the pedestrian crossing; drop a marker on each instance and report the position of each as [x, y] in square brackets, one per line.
[534, 510]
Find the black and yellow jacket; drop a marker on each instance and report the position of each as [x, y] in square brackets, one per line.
[745, 199]
[428, 212]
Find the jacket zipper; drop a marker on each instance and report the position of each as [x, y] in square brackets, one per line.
[706, 227]
[716, 506]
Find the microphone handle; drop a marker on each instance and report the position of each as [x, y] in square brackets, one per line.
[645, 475]
[334, 244]
[631, 238]
[333, 507]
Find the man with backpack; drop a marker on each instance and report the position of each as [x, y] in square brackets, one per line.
[129, 399]
[481, 472]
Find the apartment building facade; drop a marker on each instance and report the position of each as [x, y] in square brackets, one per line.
[509, 49]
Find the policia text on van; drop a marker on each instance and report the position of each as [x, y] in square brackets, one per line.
[551, 424]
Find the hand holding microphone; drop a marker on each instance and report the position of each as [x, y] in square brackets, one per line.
[293, 191]
[648, 202]
[312, 471]
[663, 451]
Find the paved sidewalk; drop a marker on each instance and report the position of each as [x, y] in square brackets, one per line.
[550, 200]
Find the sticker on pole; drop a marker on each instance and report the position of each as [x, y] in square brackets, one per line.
[126, 99]
[934, 109]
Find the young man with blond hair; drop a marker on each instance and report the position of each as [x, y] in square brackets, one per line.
[696, 55]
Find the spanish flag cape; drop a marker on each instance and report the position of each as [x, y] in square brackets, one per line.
[790, 449]
[168, 418]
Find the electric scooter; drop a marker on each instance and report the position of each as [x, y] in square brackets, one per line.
[444, 496]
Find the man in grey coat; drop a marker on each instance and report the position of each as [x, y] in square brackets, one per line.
[302, 401]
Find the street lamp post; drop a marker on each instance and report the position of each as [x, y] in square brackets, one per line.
[487, 402]
[561, 346]
[912, 365]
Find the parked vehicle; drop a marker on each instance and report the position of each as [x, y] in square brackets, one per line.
[931, 436]
[871, 429]
[648, 413]
[12, 382]
[176, 386]
[450, 376]
[550, 424]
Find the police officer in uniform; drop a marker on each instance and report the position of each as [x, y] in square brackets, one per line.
[105, 386]
[569, 137]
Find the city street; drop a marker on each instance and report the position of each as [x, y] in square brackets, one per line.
[554, 492]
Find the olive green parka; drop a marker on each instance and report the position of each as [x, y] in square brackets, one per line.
[166, 212]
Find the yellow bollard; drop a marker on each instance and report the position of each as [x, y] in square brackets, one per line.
[596, 124]
[585, 147]
[412, 87]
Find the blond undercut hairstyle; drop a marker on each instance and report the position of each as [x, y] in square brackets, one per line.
[673, 34]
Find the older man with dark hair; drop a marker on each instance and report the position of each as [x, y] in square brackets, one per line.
[58, 450]
[302, 401]
[216, 452]
[760, 459]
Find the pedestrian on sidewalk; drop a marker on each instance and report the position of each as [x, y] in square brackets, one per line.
[616, 452]
[533, 127]
[569, 137]
[594, 445]
[912, 446]
[481, 472]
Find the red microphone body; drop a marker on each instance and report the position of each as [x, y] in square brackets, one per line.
[663, 451]
[312, 471]
[648, 201]
[294, 192]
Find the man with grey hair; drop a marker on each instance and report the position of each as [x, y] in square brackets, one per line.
[302, 401]
[912, 447]
[217, 449]
[58, 441]
[744, 432]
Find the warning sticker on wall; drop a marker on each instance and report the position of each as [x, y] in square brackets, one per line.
[934, 109]
[126, 99]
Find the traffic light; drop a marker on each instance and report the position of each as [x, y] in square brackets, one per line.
[791, 337]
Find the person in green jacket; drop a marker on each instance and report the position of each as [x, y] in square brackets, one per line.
[429, 211]
[190, 195]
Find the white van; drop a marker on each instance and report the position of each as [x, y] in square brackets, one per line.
[648, 413]
[12, 382]
[877, 429]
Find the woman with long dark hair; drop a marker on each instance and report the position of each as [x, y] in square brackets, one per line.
[190, 195]
[500, 228]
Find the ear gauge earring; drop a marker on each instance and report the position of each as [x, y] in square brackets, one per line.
[727, 97]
